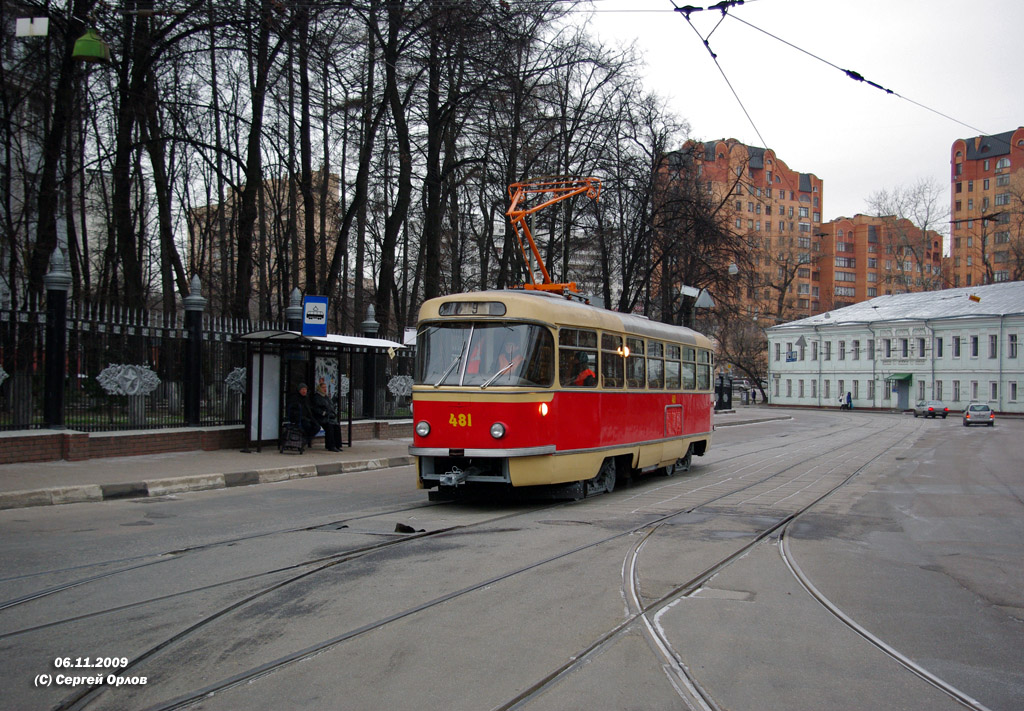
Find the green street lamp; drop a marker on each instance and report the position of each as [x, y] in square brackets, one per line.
[91, 48]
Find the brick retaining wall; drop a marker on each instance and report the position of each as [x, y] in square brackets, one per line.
[71, 445]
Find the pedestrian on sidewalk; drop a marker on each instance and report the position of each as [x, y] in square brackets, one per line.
[300, 412]
[327, 414]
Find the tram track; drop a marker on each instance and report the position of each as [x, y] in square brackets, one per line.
[686, 685]
[906, 662]
[85, 698]
[176, 554]
[639, 614]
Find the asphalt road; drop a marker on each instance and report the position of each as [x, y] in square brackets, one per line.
[835, 561]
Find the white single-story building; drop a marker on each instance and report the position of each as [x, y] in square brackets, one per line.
[956, 345]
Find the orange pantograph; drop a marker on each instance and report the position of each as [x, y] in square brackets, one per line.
[558, 189]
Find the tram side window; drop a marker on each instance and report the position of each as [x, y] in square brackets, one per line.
[704, 370]
[577, 358]
[655, 365]
[635, 364]
[689, 369]
[611, 361]
[673, 380]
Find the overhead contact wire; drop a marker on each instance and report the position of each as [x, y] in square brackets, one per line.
[685, 11]
[856, 76]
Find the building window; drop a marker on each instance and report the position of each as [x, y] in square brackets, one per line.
[920, 348]
[871, 390]
[904, 348]
[938, 347]
[938, 389]
[842, 387]
[1013, 346]
[828, 388]
[814, 388]
[856, 390]
[956, 346]
[789, 387]
[842, 350]
[993, 346]
[855, 350]
[828, 351]
[814, 350]
[920, 390]
[776, 388]
[888, 348]
[994, 387]
[871, 349]
[778, 351]
[974, 346]
[1013, 390]
[800, 387]
[956, 391]
[974, 389]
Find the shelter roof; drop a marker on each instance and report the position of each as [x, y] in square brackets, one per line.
[991, 300]
[331, 339]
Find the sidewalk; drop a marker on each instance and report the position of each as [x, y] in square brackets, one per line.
[64, 482]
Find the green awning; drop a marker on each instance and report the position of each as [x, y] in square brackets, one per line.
[900, 376]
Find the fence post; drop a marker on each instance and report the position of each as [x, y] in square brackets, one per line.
[57, 282]
[370, 328]
[293, 313]
[195, 304]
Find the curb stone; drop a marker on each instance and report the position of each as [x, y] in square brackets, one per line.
[83, 493]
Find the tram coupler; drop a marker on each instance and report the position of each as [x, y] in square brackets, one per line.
[456, 476]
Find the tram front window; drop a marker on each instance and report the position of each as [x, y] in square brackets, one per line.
[485, 355]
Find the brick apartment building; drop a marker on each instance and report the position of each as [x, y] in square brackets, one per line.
[778, 211]
[987, 207]
[863, 257]
[802, 266]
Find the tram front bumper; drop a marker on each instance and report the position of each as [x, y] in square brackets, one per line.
[456, 467]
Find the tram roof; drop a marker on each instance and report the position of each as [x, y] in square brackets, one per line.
[557, 309]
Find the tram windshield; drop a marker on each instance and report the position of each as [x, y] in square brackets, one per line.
[485, 355]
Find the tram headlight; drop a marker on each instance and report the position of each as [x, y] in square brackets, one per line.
[422, 428]
[543, 409]
[497, 430]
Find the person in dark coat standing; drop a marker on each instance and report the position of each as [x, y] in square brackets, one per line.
[327, 414]
[300, 412]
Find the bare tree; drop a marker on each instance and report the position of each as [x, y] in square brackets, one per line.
[911, 215]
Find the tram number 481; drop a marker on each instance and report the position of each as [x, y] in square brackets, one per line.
[460, 420]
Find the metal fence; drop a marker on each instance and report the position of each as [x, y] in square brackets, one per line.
[125, 370]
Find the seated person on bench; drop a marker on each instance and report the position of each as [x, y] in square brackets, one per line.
[300, 412]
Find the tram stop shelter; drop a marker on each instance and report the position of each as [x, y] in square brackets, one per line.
[279, 360]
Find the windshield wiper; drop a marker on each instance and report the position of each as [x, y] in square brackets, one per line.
[495, 376]
[449, 370]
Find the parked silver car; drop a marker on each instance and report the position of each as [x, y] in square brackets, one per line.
[979, 414]
[931, 408]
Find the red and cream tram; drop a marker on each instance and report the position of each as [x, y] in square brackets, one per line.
[529, 388]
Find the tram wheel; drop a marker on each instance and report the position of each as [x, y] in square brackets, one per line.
[682, 465]
[604, 482]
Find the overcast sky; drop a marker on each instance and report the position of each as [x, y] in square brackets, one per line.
[963, 59]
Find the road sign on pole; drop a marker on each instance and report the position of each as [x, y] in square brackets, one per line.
[314, 316]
